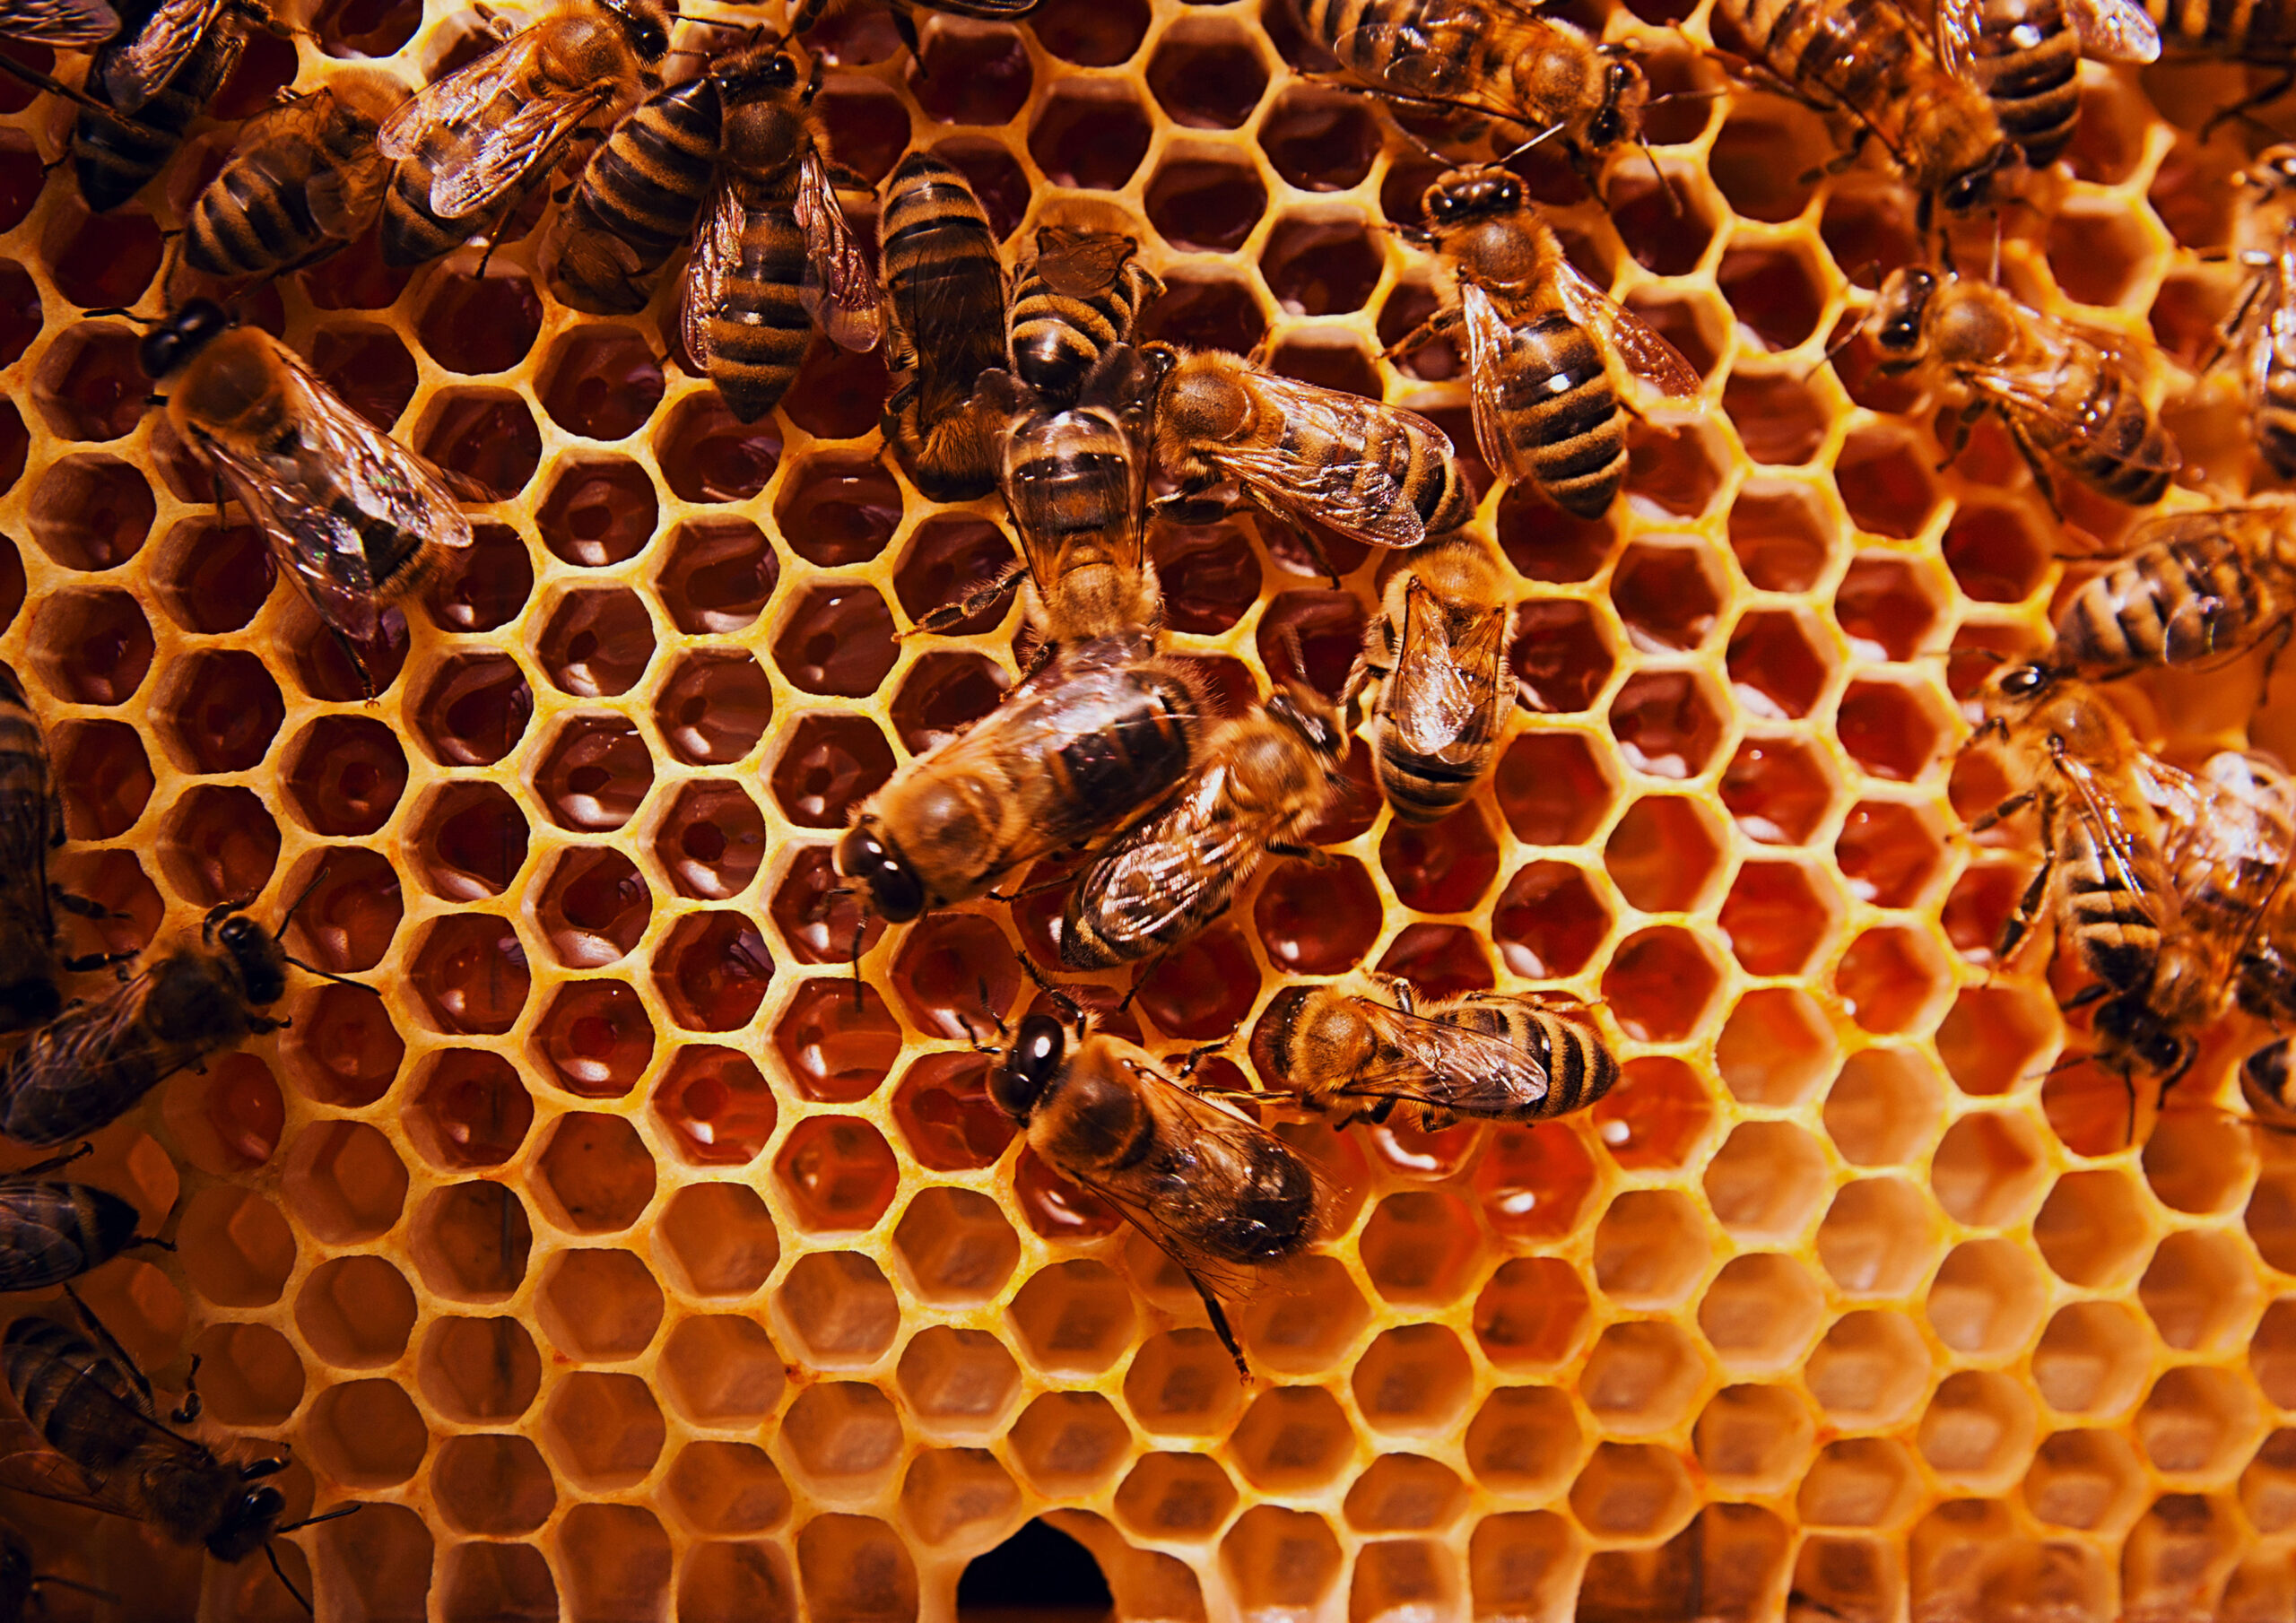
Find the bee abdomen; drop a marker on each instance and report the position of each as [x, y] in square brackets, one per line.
[760, 330]
[51, 1233]
[1272, 1213]
[643, 191]
[251, 221]
[2117, 936]
[1054, 343]
[2035, 88]
[1561, 414]
[1422, 788]
[113, 161]
[1581, 1068]
[411, 234]
[2171, 605]
[2276, 417]
[941, 259]
[2128, 431]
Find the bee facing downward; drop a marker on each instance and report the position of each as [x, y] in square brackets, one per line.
[354, 518]
[304, 180]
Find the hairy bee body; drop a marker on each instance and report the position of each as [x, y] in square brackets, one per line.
[2261, 333]
[637, 200]
[53, 1232]
[1437, 651]
[2064, 400]
[1560, 414]
[2027, 60]
[1480, 1057]
[115, 161]
[759, 329]
[303, 181]
[1268, 778]
[2196, 587]
[1078, 298]
[1864, 58]
[86, 1068]
[585, 62]
[1093, 740]
[31, 825]
[945, 297]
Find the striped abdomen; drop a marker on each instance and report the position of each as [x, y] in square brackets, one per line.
[1057, 337]
[53, 1232]
[1856, 53]
[113, 161]
[2108, 918]
[637, 200]
[411, 234]
[944, 285]
[1557, 411]
[1386, 41]
[2124, 437]
[1579, 1066]
[2028, 65]
[256, 216]
[2170, 603]
[1072, 480]
[758, 330]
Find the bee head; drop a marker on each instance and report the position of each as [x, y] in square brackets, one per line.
[648, 28]
[175, 341]
[1271, 1044]
[1625, 91]
[1461, 195]
[1040, 1048]
[896, 894]
[2265, 1074]
[754, 73]
[1303, 710]
[254, 952]
[2134, 1038]
[248, 1525]
[1901, 309]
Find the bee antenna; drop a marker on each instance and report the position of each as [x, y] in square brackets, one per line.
[1551, 131]
[288, 917]
[336, 1514]
[86, 1589]
[327, 975]
[860, 929]
[1665, 181]
[1060, 996]
[1836, 348]
[287, 1583]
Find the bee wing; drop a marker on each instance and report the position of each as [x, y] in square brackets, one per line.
[839, 290]
[1353, 494]
[2033, 391]
[717, 247]
[1954, 29]
[458, 99]
[45, 1474]
[72, 24]
[1489, 338]
[140, 69]
[2115, 30]
[317, 502]
[1428, 58]
[2226, 840]
[1161, 870]
[1081, 264]
[1641, 346]
[85, 1393]
[1447, 1065]
[2131, 857]
[1443, 695]
[512, 149]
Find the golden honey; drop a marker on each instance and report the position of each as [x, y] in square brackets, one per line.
[623, 1266]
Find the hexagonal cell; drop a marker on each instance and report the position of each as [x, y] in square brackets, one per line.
[959, 1382]
[488, 436]
[212, 577]
[711, 841]
[603, 1431]
[724, 1489]
[1661, 985]
[597, 642]
[249, 1374]
[1318, 920]
[1977, 1434]
[1656, 1115]
[600, 382]
[1281, 1562]
[1632, 1490]
[490, 1484]
[960, 1497]
[1761, 1311]
[1651, 1248]
[1549, 922]
[218, 844]
[1778, 917]
[713, 709]
[1776, 1048]
[1778, 416]
[594, 906]
[1755, 1439]
[1989, 1169]
[1552, 787]
[594, 774]
[1869, 1371]
[2199, 1291]
[1667, 724]
[944, 693]
[595, 1039]
[1536, 1185]
[91, 512]
[1992, 1037]
[365, 1434]
[1090, 133]
[1201, 200]
[956, 1247]
[844, 1438]
[2199, 1162]
[716, 1240]
[1986, 1299]
[88, 384]
[1182, 1382]
[2087, 1481]
[1414, 1380]
[1766, 1181]
[600, 1305]
[1663, 854]
[343, 1181]
[483, 588]
[1070, 1443]
[2199, 1421]
[1073, 1318]
[1667, 594]
[970, 73]
[1207, 73]
[1292, 1439]
[1878, 1237]
[90, 647]
[839, 1171]
[819, 919]
[1892, 731]
[1642, 1378]
[1421, 1248]
[717, 1105]
[102, 775]
[717, 576]
[355, 1311]
[712, 971]
[478, 325]
[2093, 1229]
[854, 1569]
[479, 1371]
[474, 710]
[839, 1309]
[1176, 1496]
[1860, 1482]
[469, 1109]
[2092, 1359]
[596, 1174]
[481, 1580]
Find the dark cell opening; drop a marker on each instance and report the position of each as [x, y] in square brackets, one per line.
[1038, 1575]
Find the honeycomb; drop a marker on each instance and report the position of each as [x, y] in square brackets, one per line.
[622, 1262]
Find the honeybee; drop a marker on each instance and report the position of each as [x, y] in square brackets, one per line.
[637, 199]
[52, 1232]
[1218, 1194]
[2081, 771]
[1541, 342]
[1267, 778]
[94, 1062]
[2193, 587]
[773, 256]
[472, 143]
[2025, 56]
[1296, 451]
[2063, 399]
[303, 181]
[1869, 65]
[1494, 59]
[2261, 331]
[2261, 35]
[945, 294]
[1436, 652]
[31, 825]
[65, 25]
[111, 1451]
[161, 77]
[354, 518]
[1091, 740]
[1079, 298]
[1491, 1056]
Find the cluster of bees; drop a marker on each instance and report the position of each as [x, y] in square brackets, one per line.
[1031, 381]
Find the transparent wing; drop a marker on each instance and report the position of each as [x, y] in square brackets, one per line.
[1436, 1064]
[1443, 696]
[1349, 491]
[839, 290]
[1489, 338]
[1165, 869]
[140, 69]
[458, 99]
[69, 24]
[1429, 58]
[2131, 855]
[716, 250]
[96, 1404]
[2115, 30]
[2032, 392]
[2226, 839]
[1954, 30]
[1081, 264]
[1641, 346]
[511, 149]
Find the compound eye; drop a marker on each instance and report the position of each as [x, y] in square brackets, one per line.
[2024, 680]
[894, 889]
[265, 1503]
[1510, 193]
[157, 353]
[1037, 1050]
[782, 73]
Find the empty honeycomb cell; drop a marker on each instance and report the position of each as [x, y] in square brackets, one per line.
[2093, 1228]
[970, 73]
[1421, 1248]
[868, 126]
[1413, 1381]
[218, 843]
[1206, 203]
[839, 510]
[1661, 985]
[853, 1569]
[705, 456]
[839, 1308]
[1651, 1249]
[478, 1371]
[726, 1488]
[368, 367]
[721, 1371]
[716, 1240]
[1891, 730]
[1320, 267]
[1667, 724]
[1560, 657]
[2199, 1292]
[1305, 1329]
[1776, 1048]
[597, 512]
[1755, 1439]
[1989, 1169]
[1987, 1299]
[600, 1305]
[1978, 1433]
[89, 386]
[1777, 917]
[470, 1241]
[482, 1580]
[342, 1049]
[365, 1434]
[1316, 918]
[219, 712]
[1860, 1482]
[355, 1312]
[1888, 853]
[1780, 533]
[2196, 1420]
[249, 1374]
[944, 694]
[1074, 1318]
[489, 437]
[716, 1105]
[595, 1039]
[229, 1120]
[2267, 1217]
[594, 774]
[2092, 1359]
[1879, 1239]
[946, 1118]
[597, 908]
[958, 1383]
[1780, 665]
[343, 1181]
[1536, 1185]
[474, 709]
[469, 1110]
[344, 774]
[1184, 1496]
[1887, 606]
[956, 1247]
[612, 1559]
[711, 841]
[1676, 475]
[1994, 1038]
[1070, 1443]
[95, 262]
[103, 775]
[492, 1484]
[2199, 1162]
[1642, 1376]
[717, 575]
[1869, 1370]
[596, 643]
[470, 972]
[1663, 854]
[1281, 1562]
[1632, 1490]
[1892, 980]
[959, 1497]
[1657, 1115]
[1777, 294]
[1545, 544]
[1779, 420]
[1183, 1383]
[90, 646]
[596, 1172]
[2266, 1485]
[1766, 1183]
[245, 1249]
[486, 586]
[600, 384]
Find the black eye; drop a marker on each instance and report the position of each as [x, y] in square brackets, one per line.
[264, 1504]
[894, 890]
[2024, 680]
[158, 353]
[1510, 193]
[1029, 1066]
[1603, 129]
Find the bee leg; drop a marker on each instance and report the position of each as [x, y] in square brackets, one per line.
[41, 1168]
[1219, 1322]
[2001, 814]
[1962, 425]
[905, 25]
[851, 179]
[108, 1344]
[1438, 325]
[1310, 854]
[188, 1410]
[1305, 538]
[2232, 323]
[981, 598]
[2022, 916]
[85, 907]
[1188, 507]
[2245, 109]
[89, 962]
[2041, 481]
[79, 98]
